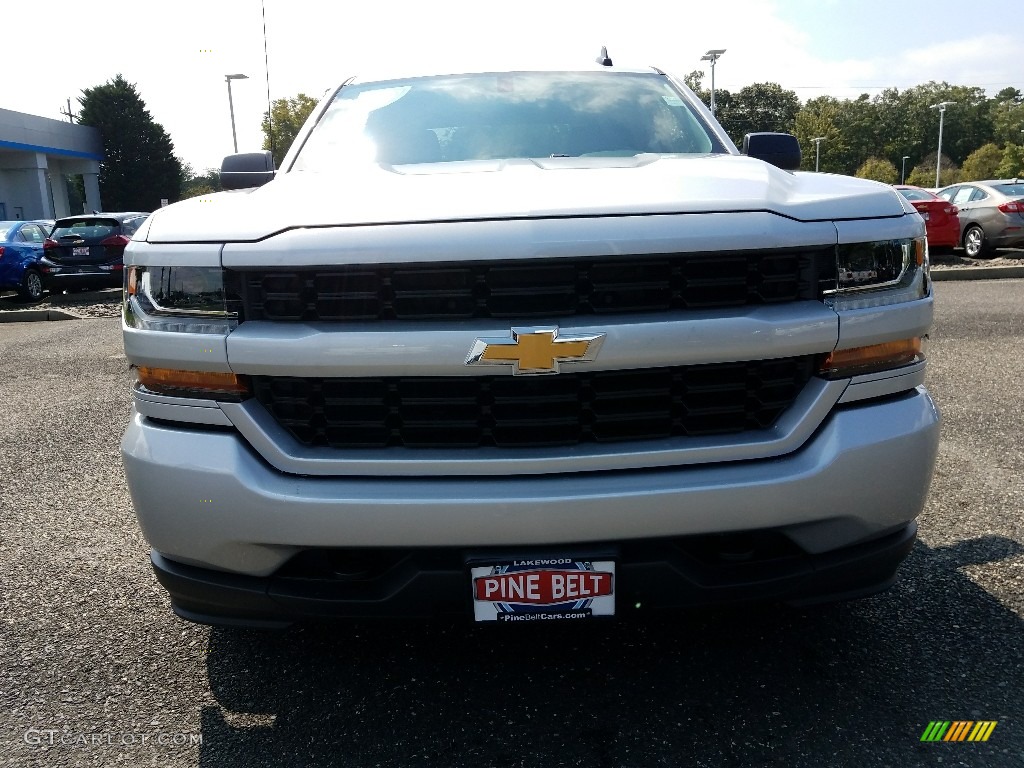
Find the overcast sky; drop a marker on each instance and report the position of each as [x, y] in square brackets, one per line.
[177, 53]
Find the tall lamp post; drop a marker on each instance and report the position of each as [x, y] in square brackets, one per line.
[713, 55]
[817, 151]
[231, 106]
[903, 170]
[941, 106]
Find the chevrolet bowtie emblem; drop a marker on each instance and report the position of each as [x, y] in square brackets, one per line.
[535, 350]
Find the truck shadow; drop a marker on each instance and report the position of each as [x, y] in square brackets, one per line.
[851, 683]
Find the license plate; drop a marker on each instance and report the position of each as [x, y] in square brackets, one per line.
[84, 251]
[547, 589]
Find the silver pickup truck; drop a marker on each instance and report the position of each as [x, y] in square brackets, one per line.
[526, 346]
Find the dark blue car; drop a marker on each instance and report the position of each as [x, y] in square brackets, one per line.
[21, 248]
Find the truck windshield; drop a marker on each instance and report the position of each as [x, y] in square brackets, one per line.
[509, 115]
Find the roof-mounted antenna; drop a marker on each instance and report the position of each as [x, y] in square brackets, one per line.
[603, 59]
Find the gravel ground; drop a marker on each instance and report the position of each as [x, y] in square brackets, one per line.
[86, 304]
[94, 668]
[1005, 258]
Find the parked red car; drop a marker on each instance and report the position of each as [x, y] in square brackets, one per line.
[940, 217]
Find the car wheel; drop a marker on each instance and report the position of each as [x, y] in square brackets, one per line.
[974, 241]
[31, 285]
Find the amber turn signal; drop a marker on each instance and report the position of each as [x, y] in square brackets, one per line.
[197, 383]
[877, 357]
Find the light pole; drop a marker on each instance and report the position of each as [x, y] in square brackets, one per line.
[231, 106]
[817, 151]
[713, 55]
[941, 106]
[903, 170]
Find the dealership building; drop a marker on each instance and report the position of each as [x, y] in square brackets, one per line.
[40, 163]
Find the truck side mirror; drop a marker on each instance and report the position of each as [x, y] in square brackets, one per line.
[247, 169]
[780, 149]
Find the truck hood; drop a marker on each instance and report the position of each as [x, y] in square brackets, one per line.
[556, 187]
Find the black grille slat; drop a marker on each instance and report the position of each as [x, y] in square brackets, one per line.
[527, 412]
[528, 288]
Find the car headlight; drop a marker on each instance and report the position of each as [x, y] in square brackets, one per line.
[178, 299]
[879, 273]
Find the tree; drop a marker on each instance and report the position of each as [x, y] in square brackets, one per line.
[757, 107]
[1007, 113]
[695, 82]
[1012, 164]
[878, 169]
[923, 174]
[819, 119]
[139, 167]
[288, 116]
[195, 184]
[981, 163]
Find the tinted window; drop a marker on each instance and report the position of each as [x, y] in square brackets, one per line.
[507, 115]
[90, 230]
[30, 233]
[130, 226]
[1010, 190]
[963, 195]
[915, 194]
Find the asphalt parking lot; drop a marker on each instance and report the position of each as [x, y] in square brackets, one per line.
[95, 671]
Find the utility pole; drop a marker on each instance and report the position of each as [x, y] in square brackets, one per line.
[817, 151]
[69, 114]
[941, 106]
[713, 56]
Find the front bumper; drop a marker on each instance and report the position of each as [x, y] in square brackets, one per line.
[205, 499]
[652, 575]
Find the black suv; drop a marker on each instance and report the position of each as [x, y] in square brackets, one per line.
[87, 251]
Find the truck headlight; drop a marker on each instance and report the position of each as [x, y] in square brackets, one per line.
[180, 299]
[879, 273]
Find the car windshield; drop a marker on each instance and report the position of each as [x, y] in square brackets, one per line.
[915, 194]
[1010, 190]
[90, 230]
[503, 116]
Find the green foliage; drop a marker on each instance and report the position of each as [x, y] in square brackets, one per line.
[820, 118]
[982, 163]
[878, 169]
[193, 184]
[288, 117]
[757, 107]
[1012, 163]
[139, 167]
[695, 82]
[923, 174]
[1007, 113]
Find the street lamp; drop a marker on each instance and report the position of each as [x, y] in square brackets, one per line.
[941, 106]
[817, 151]
[231, 106]
[713, 55]
[903, 171]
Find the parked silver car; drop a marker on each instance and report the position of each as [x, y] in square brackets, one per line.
[991, 214]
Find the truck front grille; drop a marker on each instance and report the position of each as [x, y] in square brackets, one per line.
[534, 411]
[547, 288]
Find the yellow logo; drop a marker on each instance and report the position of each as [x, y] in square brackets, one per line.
[535, 350]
